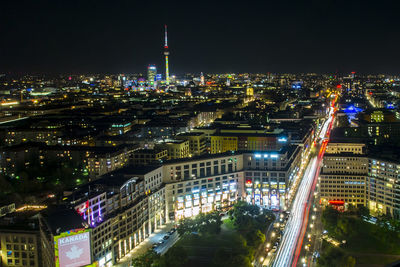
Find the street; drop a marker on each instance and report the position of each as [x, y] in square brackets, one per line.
[291, 244]
[144, 246]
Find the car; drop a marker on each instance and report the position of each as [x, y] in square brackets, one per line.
[173, 230]
[160, 242]
[166, 237]
[155, 246]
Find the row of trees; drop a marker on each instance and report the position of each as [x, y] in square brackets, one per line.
[335, 257]
[349, 225]
[175, 257]
[203, 224]
[250, 223]
[343, 225]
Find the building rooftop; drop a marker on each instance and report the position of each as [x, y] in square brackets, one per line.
[190, 134]
[289, 148]
[61, 219]
[384, 152]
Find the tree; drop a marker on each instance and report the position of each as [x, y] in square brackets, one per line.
[175, 257]
[330, 218]
[245, 216]
[209, 223]
[364, 212]
[331, 257]
[255, 238]
[149, 259]
[186, 225]
[220, 258]
[344, 226]
[349, 262]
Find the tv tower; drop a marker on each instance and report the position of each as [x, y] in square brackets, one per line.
[166, 54]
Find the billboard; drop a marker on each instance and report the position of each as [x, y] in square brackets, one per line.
[73, 248]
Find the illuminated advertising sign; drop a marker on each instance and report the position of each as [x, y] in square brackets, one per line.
[73, 248]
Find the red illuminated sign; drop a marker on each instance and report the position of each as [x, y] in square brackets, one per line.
[336, 202]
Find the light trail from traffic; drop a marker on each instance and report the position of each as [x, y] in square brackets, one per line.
[290, 247]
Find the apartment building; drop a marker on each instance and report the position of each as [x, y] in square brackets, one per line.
[268, 176]
[149, 156]
[247, 139]
[197, 142]
[177, 149]
[202, 184]
[19, 244]
[383, 185]
[343, 174]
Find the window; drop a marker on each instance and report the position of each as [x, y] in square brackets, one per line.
[208, 171]
[223, 170]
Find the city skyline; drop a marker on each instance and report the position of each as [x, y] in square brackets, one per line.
[192, 134]
[95, 37]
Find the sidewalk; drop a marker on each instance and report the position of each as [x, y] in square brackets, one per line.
[144, 246]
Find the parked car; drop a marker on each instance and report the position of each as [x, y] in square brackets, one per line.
[166, 237]
[173, 230]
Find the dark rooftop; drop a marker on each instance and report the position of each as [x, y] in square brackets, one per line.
[61, 219]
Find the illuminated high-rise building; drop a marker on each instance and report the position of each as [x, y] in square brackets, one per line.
[151, 74]
[166, 54]
[202, 79]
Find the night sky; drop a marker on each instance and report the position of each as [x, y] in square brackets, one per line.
[116, 36]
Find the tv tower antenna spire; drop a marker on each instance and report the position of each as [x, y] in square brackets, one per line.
[166, 54]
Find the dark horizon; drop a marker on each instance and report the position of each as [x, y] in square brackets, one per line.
[211, 37]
